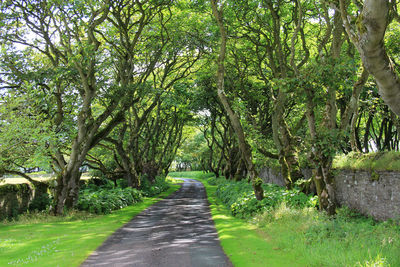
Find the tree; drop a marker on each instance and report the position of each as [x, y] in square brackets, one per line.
[276, 51]
[75, 40]
[244, 147]
[368, 33]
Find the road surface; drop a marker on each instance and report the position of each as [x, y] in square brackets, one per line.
[177, 231]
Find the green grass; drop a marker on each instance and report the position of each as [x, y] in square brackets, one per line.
[65, 241]
[340, 241]
[378, 161]
[303, 237]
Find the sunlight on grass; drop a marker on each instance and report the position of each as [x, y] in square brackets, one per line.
[310, 234]
[35, 176]
[377, 262]
[63, 241]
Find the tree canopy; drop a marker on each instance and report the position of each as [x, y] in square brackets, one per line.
[128, 88]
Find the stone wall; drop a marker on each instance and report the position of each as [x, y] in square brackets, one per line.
[14, 199]
[272, 176]
[371, 193]
[18, 198]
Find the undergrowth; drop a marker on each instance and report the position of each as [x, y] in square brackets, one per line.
[348, 239]
[106, 198]
[240, 198]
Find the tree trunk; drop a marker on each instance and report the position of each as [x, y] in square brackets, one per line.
[369, 40]
[67, 189]
[284, 141]
[322, 176]
[236, 125]
[350, 116]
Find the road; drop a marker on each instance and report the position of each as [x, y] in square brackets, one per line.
[177, 231]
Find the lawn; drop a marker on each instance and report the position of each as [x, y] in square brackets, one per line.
[66, 241]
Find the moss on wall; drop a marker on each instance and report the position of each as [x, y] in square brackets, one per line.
[377, 161]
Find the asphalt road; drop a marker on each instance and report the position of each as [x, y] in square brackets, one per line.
[177, 231]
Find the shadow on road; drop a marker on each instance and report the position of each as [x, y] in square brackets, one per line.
[177, 231]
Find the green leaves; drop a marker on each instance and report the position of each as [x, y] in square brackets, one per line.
[105, 200]
[240, 198]
[23, 135]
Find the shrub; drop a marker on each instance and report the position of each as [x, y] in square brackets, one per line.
[104, 197]
[212, 181]
[151, 189]
[40, 203]
[102, 200]
[240, 198]
[96, 182]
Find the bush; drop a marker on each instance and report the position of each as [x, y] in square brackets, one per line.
[103, 200]
[40, 203]
[240, 198]
[151, 189]
[212, 181]
[95, 182]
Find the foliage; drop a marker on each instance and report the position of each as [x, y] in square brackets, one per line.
[240, 198]
[23, 136]
[149, 189]
[192, 150]
[103, 200]
[133, 81]
[212, 181]
[41, 202]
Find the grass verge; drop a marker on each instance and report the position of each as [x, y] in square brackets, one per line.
[64, 241]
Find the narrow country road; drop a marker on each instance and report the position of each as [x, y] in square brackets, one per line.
[177, 231]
